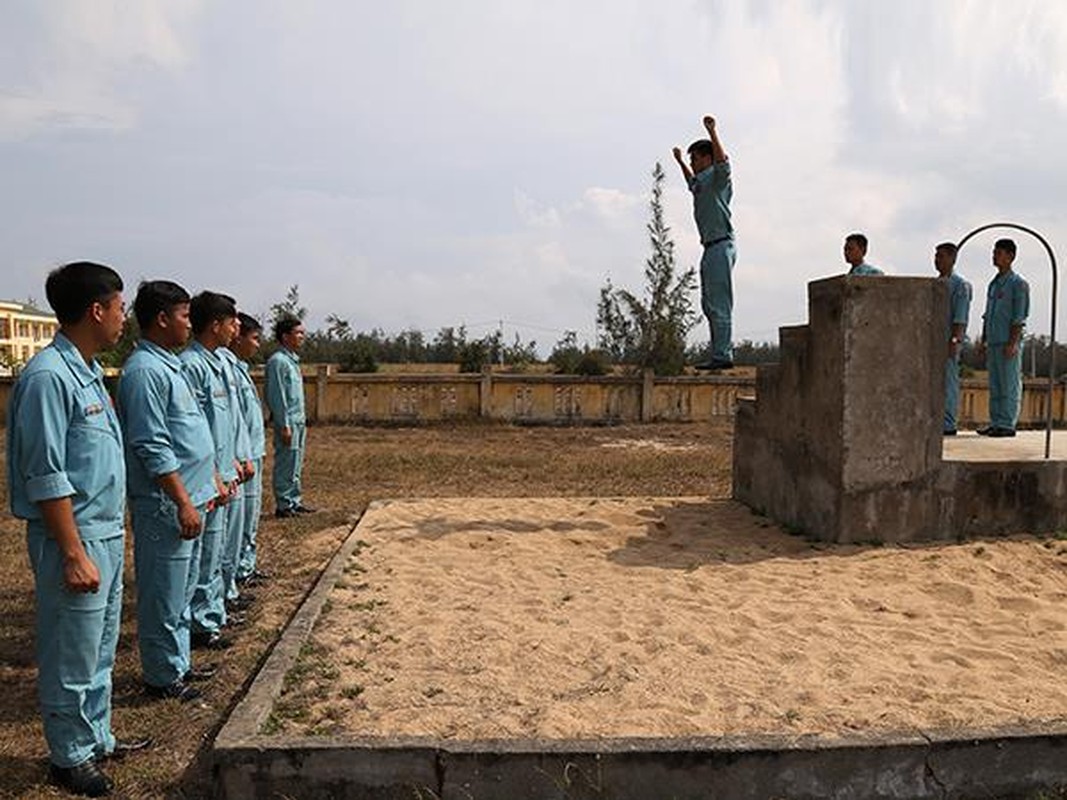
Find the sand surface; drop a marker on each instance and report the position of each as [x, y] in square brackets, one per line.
[588, 618]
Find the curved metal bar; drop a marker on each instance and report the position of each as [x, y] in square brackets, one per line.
[1052, 324]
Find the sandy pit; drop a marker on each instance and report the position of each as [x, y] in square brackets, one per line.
[588, 618]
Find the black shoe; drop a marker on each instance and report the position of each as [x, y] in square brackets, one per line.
[85, 779]
[204, 640]
[985, 431]
[124, 747]
[242, 603]
[197, 674]
[302, 509]
[714, 365]
[176, 691]
[1001, 433]
[949, 433]
[285, 513]
[253, 577]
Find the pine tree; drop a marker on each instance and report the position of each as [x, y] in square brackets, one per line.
[650, 332]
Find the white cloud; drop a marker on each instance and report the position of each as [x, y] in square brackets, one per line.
[82, 51]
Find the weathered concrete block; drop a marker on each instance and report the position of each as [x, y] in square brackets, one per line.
[843, 440]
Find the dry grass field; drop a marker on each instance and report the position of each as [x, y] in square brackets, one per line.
[347, 467]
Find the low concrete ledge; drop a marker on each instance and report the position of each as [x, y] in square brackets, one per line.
[958, 764]
[1005, 765]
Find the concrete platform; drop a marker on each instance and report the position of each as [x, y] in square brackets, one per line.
[958, 763]
[1024, 446]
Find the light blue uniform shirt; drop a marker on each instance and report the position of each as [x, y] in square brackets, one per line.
[242, 446]
[166, 430]
[64, 440]
[285, 389]
[712, 191]
[206, 374]
[1007, 304]
[863, 268]
[959, 302]
[252, 409]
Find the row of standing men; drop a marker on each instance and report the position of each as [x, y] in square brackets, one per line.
[1003, 324]
[183, 445]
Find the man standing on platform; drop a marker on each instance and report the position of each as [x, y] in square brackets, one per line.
[959, 309]
[709, 179]
[285, 398]
[67, 478]
[171, 465]
[1007, 306]
[856, 256]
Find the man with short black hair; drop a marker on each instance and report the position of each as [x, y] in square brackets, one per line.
[245, 347]
[709, 179]
[214, 320]
[235, 509]
[67, 480]
[855, 251]
[171, 466]
[959, 309]
[1006, 309]
[285, 398]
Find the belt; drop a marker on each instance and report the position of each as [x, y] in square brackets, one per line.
[714, 242]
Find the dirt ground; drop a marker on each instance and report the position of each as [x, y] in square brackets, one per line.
[347, 467]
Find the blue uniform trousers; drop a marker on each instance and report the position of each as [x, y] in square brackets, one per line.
[208, 607]
[76, 639]
[166, 568]
[231, 549]
[288, 466]
[717, 296]
[1005, 386]
[952, 392]
[246, 565]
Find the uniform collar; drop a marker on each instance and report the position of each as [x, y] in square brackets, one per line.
[292, 355]
[162, 353]
[213, 359]
[85, 373]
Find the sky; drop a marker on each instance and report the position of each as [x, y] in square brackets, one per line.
[417, 164]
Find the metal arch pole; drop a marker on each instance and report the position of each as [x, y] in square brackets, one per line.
[1052, 325]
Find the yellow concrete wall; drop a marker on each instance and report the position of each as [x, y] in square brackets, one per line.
[567, 398]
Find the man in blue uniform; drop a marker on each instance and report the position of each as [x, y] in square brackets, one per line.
[285, 398]
[959, 309]
[171, 467]
[855, 251]
[214, 321]
[708, 177]
[1007, 306]
[67, 479]
[245, 346]
[235, 510]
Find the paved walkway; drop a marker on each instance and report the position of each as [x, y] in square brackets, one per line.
[1025, 446]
